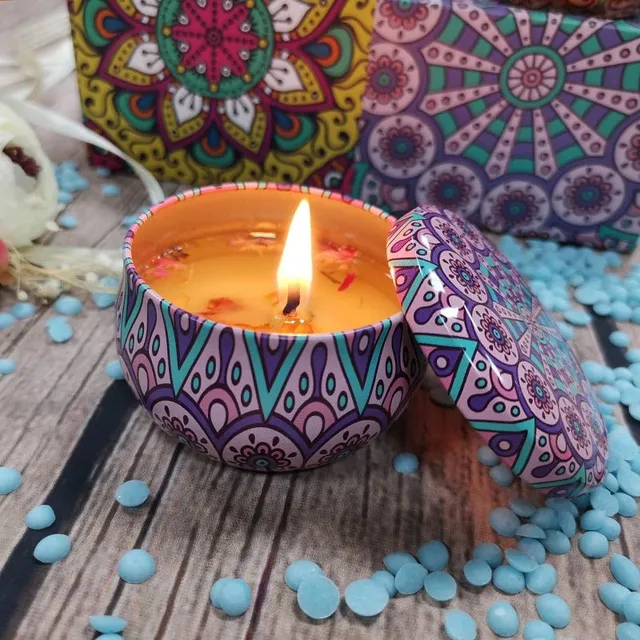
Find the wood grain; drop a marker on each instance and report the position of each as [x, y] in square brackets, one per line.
[206, 520]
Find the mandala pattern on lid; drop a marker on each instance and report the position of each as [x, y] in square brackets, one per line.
[497, 353]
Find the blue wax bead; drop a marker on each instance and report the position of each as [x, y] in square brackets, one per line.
[103, 172]
[529, 530]
[216, 591]
[608, 377]
[10, 480]
[64, 197]
[318, 597]
[627, 631]
[60, 331]
[40, 517]
[67, 221]
[406, 463]
[561, 504]
[440, 586]
[577, 317]
[477, 572]
[533, 548]
[410, 578]
[622, 373]
[459, 625]
[621, 311]
[634, 411]
[611, 483]
[629, 481]
[602, 308]
[621, 441]
[613, 596]
[613, 259]
[110, 636]
[387, 580]
[587, 295]
[538, 630]
[433, 555]
[489, 552]
[622, 385]
[487, 457]
[627, 506]
[609, 394]
[298, 570]
[508, 580]
[605, 409]
[625, 571]
[108, 624]
[546, 518]
[593, 544]
[368, 598]
[635, 316]
[113, 369]
[631, 608]
[22, 310]
[567, 524]
[593, 371]
[553, 610]
[592, 520]
[235, 597]
[566, 331]
[614, 461]
[102, 299]
[52, 548]
[560, 305]
[619, 339]
[68, 306]
[132, 493]
[128, 221]
[522, 507]
[136, 566]
[521, 561]
[504, 522]
[503, 619]
[633, 355]
[542, 580]
[6, 320]
[556, 542]
[110, 190]
[501, 475]
[397, 559]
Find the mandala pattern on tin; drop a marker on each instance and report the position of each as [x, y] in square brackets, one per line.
[215, 90]
[497, 353]
[513, 101]
[261, 401]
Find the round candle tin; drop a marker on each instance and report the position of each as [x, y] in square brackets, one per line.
[261, 401]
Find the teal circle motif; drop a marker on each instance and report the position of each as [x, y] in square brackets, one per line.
[211, 367]
[235, 373]
[516, 82]
[177, 38]
[195, 383]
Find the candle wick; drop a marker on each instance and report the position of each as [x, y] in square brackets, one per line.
[293, 300]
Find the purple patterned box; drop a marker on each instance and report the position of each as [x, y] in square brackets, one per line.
[523, 121]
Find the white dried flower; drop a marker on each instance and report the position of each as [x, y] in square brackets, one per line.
[49, 289]
[22, 296]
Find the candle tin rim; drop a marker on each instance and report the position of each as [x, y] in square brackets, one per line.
[131, 269]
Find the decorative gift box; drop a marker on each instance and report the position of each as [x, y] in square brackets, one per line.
[522, 121]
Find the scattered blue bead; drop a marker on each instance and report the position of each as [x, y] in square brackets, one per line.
[113, 369]
[522, 507]
[52, 548]
[632, 355]
[504, 522]
[593, 544]
[298, 570]
[593, 371]
[40, 517]
[602, 499]
[10, 480]
[441, 586]
[102, 299]
[546, 518]
[592, 520]
[132, 493]
[566, 331]
[368, 598]
[67, 221]
[108, 624]
[235, 597]
[22, 310]
[64, 197]
[216, 591]
[433, 555]
[533, 548]
[387, 580]
[318, 597]
[621, 311]
[68, 306]
[627, 506]
[503, 619]
[611, 529]
[459, 625]
[609, 394]
[611, 483]
[622, 373]
[587, 295]
[136, 566]
[477, 572]
[397, 559]
[625, 571]
[567, 524]
[501, 475]
[6, 320]
[520, 560]
[109, 636]
[634, 410]
[630, 396]
[489, 552]
[103, 172]
[110, 190]
[529, 530]
[627, 631]
[406, 463]
[487, 457]
[631, 608]
[538, 630]
[60, 331]
[602, 308]
[508, 580]
[613, 596]
[7, 366]
[553, 610]
[629, 481]
[410, 578]
[542, 579]
[577, 317]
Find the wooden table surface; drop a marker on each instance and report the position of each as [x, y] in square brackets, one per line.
[76, 436]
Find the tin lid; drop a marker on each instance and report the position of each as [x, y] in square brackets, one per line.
[497, 353]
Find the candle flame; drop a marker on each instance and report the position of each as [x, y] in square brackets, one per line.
[296, 265]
